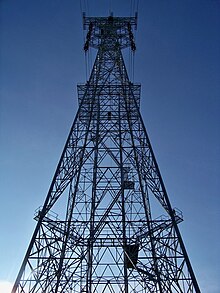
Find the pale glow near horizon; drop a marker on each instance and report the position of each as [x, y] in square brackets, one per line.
[5, 286]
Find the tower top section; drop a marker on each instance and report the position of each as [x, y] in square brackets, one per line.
[109, 32]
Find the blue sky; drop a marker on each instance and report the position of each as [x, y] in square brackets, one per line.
[178, 64]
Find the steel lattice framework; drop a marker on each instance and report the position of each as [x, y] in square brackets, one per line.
[116, 230]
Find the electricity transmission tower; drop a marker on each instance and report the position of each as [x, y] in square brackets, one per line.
[114, 229]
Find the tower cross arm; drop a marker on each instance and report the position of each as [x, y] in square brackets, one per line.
[111, 30]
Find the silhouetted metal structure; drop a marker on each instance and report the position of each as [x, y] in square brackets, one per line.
[116, 230]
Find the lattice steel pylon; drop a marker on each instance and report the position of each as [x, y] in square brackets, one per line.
[114, 229]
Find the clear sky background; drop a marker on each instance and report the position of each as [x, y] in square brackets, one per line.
[178, 64]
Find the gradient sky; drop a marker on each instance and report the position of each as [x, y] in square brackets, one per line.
[178, 64]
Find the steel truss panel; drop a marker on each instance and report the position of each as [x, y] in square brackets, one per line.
[114, 229]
